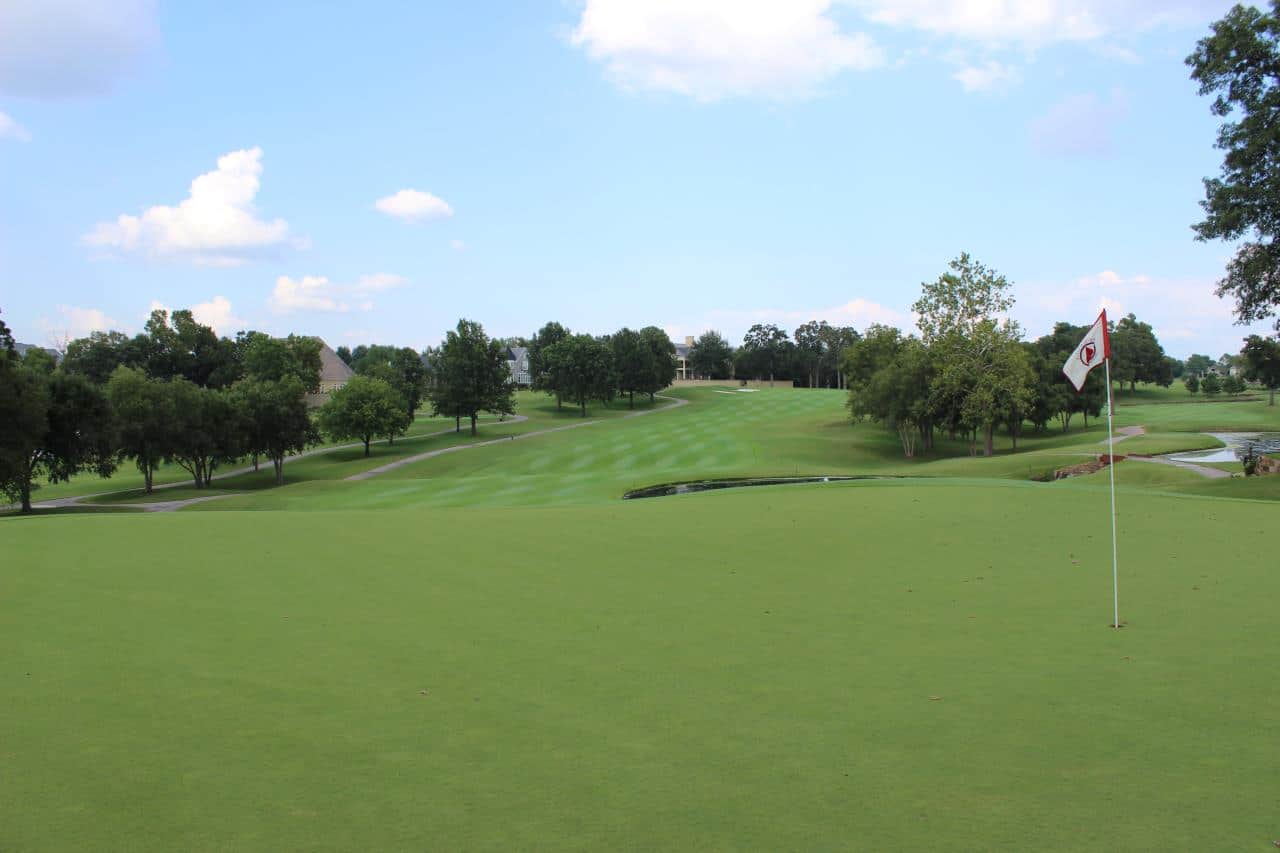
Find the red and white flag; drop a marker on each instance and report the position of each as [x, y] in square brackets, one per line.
[1093, 350]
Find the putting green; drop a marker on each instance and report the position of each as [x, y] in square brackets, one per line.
[740, 669]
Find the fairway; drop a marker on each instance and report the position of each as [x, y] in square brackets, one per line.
[490, 650]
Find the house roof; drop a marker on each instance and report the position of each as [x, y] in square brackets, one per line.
[332, 368]
[516, 354]
[682, 350]
[22, 350]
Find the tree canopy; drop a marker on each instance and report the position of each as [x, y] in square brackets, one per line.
[364, 408]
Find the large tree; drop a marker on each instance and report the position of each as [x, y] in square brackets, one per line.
[581, 369]
[55, 425]
[275, 420]
[274, 359]
[1262, 363]
[363, 409]
[985, 377]
[402, 368]
[208, 429]
[471, 376]
[551, 333]
[633, 362]
[764, 342]
[711, 356]
[893, 388]
[144, 419]
[663, 353]
[1136, 355]
[1239, 64]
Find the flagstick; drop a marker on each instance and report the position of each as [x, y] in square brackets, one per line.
[1111, 452]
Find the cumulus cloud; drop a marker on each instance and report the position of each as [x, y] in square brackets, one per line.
[65, 48]
[76, 322]
[318, 293]
[10, 129]
[1185, 313]
[414, 205]
[1079, 126]
[713, 49]
[216, 224]
[216, 314]
[988, 77]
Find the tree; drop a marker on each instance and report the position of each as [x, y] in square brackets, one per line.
[207, 429]
[1262, 363]
[1198, 365]
[581, 369]
[275, 359]
[663, 354]
[363, 408]
[344, 353]
[633, 363]
[275, 420]
[1233, 385]
[403, 369]
[896, 391]
[765, 342]
[836, 340]
[1239, 63]
[1193, 383]
[97, 356]
[985, 377]
[144, 416]
[811, 350]
[175, 345]
[711, 356]
[1136, 355]
[56, 425]
[1211, 385]
[471, 376]
[549, 334]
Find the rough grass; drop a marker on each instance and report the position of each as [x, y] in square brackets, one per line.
[886, 666]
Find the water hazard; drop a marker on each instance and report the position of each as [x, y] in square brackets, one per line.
[1236, 443]
[742, 482]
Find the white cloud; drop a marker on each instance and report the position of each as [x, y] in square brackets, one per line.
[216, 224]
[10, 129]
[989, 77]
[216, 314]
[712, 49]
[414, 205]
[309, 293]
[378, 282]
[75, 322]
[318, 293]
[1033, 23]
[1185, 313]
[1079, 126]
[64, 48]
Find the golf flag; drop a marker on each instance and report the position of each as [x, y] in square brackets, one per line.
[1093, 351]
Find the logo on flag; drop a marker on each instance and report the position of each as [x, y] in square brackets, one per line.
[1085, 358]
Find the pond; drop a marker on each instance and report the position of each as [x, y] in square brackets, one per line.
[741, 482]
[1263, 443]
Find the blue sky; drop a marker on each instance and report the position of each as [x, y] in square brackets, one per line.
[372, 172]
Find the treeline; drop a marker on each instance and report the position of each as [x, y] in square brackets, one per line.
[178, 394]
[809, 357]
[970, 374]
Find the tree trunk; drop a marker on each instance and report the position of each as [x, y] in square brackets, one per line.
[148, 476]
[26, 495]
[255, 461]
[989, 444]
[559, 403]
[367, 439]
[473, 423]
[632, 395]
[584, 407]
[391, 438]
[457, 423]
[278, 462]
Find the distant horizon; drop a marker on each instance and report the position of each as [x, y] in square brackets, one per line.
[695, 166]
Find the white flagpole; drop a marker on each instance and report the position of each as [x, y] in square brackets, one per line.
[1111, 453]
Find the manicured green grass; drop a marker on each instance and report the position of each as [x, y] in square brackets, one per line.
[753, 669]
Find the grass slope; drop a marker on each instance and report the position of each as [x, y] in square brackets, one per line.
[736, 670]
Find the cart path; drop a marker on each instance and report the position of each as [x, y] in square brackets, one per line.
[1127, 432]
[1202, 470]
[676, 402]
